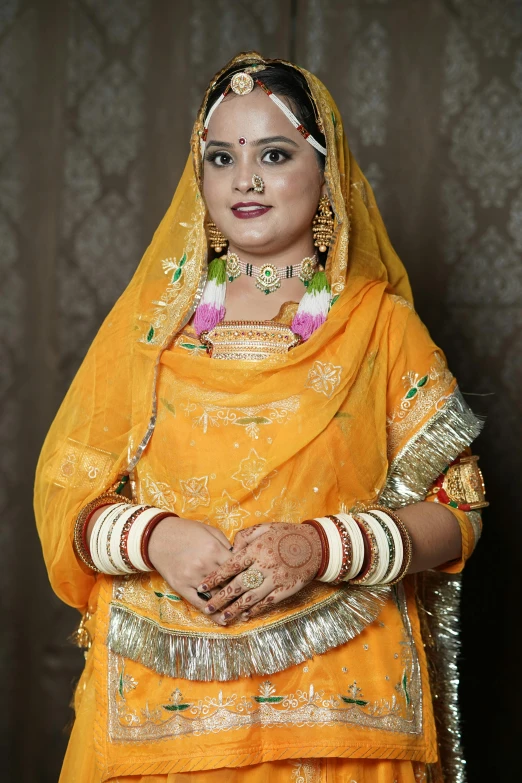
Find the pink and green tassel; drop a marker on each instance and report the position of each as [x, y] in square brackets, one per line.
[211, 309]
[313, 307]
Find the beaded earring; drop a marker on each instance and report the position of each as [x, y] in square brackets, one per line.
[217, 240]
[322, 225]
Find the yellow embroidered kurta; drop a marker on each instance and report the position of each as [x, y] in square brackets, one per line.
[365, 410]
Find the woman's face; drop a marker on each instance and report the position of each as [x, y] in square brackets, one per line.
[278, 153]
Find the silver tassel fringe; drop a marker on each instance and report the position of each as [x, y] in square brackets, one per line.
[438, 597]
[262, 651]
[425, 456]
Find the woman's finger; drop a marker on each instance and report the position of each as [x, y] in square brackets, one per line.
[221, 537]
[246, 536]
[244, 602]
[233, 566]
[261, 606]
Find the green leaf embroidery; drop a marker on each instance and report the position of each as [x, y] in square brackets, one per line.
[412, 392]
[160, 595]
[176, 707]
[120, 686]
[244, 420]
[150, 334]
[169, 406]
[405, 689]
[170, 596]
[422, 381]
[182, 259]
[177, 274]
[268, 699]
[359, 702]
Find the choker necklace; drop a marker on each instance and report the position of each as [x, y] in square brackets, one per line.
[268, 277]
[313, 307]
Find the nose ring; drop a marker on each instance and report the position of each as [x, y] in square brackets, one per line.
[258, 184]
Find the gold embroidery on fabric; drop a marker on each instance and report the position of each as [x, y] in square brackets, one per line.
[251, 418]
[80, 465]
[228, 513]
[423, 394]
[306, 770]
[324, 378]
[224, 710]
[251, 473]
[402, 302]
[180, 289]
[195, 493]
[156, 493]
[285, 508]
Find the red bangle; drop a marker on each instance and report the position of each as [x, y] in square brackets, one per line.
[124, 537]
[325, 557]
[147, 534]
[347, 549]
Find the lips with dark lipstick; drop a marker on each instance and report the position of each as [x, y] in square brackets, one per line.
[249, 209]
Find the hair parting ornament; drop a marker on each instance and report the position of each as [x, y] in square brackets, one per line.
[242, 83]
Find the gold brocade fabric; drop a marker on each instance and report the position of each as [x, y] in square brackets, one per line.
[365, 410]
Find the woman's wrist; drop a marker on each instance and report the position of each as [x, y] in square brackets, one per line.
[158, 540]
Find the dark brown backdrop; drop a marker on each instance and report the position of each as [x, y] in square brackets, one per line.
[97, 98]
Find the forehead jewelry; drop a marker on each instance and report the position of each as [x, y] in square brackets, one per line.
[242, 83]
[242, 140]
[258, 184]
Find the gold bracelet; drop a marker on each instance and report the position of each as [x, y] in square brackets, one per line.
[82, 520]
[406, 542]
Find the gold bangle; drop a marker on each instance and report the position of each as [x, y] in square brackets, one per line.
[374, 552]
[106, 499]
[406, 542]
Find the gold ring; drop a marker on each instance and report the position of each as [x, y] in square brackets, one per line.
[252, 578]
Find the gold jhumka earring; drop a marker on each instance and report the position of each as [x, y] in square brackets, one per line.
[322, 225]
[217, 240]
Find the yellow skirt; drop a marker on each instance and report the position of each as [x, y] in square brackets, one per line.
[80, 764]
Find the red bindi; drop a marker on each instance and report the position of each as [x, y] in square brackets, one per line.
[242, 140]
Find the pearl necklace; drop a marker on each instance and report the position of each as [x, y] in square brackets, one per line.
[268, 277]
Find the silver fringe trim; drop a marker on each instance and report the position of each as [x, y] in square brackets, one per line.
[439, 604]
[425, 456]
[222, 657]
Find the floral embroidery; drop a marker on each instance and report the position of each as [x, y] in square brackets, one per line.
[266, 708]
[324, 378]
[195, 493]
[156, 493]
[228, 513]
[423, 393]
[306, 770]
[251, 473]
[252, 418]
[285, 509]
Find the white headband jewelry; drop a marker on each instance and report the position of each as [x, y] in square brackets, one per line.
[242, 84]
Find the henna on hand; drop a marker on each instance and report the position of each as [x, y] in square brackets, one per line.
[287, 555]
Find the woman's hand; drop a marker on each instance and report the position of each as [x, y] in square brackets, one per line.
[182, 551]
[287, 555]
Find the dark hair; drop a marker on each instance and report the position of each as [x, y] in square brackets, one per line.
[286, 82]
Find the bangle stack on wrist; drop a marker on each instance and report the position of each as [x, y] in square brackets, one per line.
[120, 536]
[367, 548]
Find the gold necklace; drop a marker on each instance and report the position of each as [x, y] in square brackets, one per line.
[268, 277]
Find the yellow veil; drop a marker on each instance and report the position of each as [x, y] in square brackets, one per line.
[106, 420]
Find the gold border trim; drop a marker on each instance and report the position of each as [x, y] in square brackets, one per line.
[219, 656]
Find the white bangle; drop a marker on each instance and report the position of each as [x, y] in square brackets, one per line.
[115, 541]
[357, 545]
[135, 536]
[335, 546]
[98, 544]
[383, 559]
[397, 540]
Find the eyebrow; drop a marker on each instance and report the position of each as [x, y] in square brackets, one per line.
[259, 143]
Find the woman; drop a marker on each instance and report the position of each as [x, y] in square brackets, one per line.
[289, 380]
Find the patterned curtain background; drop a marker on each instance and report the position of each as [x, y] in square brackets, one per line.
[97, 98]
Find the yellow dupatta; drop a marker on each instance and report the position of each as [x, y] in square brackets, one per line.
[349, 433]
